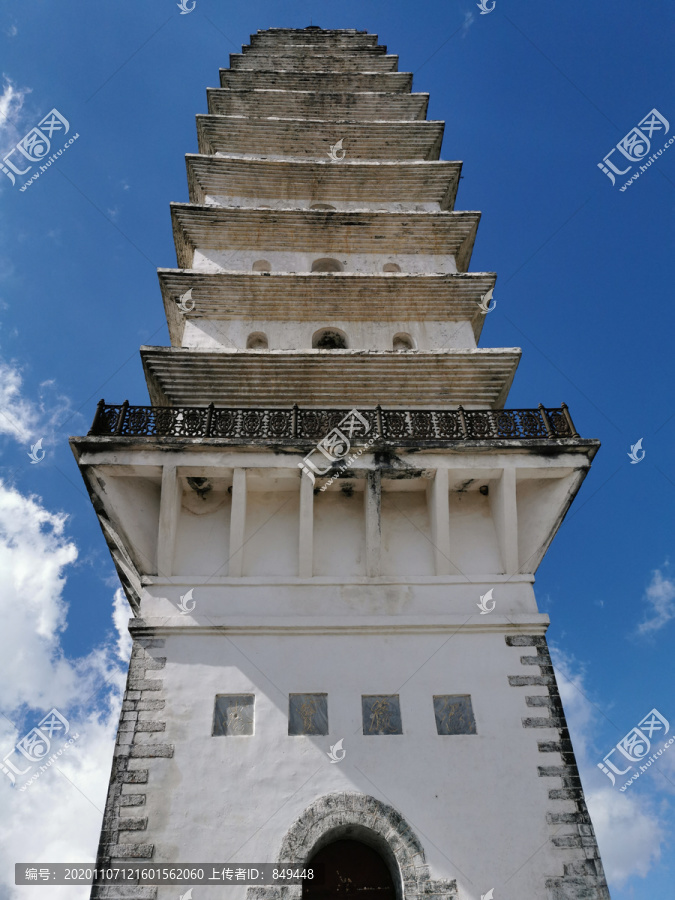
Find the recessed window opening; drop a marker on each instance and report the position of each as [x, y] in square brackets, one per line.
[403, 341]
[329, 339]
[326, 264]
[391, 267]
[261, 265]
[257, 341]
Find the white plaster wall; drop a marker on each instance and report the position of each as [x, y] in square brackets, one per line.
[407, 545]
[203, 540]
[135, 505]
[339, 533]
[538, 499]
[233, 799]
[337, 596]
[211, 334]
[473, 539]
[272, 523]
[209, 260]
[306, 203]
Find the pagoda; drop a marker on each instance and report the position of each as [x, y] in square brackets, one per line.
[327, 524]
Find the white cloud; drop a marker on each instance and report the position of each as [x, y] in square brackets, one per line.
[24, 419]
[629, 828]
[18, 417]
[58, 817]
[469, 19]
[660, 599]
[121, 615]
[11, 31]
[11, 104]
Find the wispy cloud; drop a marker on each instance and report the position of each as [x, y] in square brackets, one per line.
[24, 419]
[11, 105]
[659, 598]
[469, 19]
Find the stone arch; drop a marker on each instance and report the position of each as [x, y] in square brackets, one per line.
[403, 341]
[326, 264]
[391, 267]
[329, 339]
[257, 340]
[261, 265]
[350, 814]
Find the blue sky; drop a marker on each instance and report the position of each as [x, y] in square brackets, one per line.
[533, 96]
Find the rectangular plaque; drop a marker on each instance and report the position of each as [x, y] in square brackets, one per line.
[308, 714]
[233, 714]
[381, 714]
[454, 714]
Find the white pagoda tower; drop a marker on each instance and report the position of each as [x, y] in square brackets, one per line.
[327, 524]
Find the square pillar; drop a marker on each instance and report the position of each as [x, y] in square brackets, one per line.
[237, 524]
[373, 513]
[306, 535]
[439, 514]
[169, 510]
[505, 516]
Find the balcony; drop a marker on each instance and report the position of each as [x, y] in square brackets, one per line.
[275, 425]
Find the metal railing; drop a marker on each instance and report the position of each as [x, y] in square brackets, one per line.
[275, 425]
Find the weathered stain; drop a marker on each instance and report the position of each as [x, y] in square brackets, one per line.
[464, 485]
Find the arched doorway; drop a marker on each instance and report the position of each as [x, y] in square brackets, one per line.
[351, 870]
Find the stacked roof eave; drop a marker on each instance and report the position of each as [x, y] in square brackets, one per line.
[263, 163]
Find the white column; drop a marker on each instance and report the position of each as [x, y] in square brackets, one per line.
[505, 516]
[237, 524]
[169, 510]
[306, 536]
[373, 512]
[439, 513]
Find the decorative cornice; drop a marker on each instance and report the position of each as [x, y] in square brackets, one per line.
[316, 181]
[335, 38]
[290, 137]
[441, 379]
[268, 79]
[362, 61]
[310, 297]
[342, 106]
[161, 626]
[324, 233]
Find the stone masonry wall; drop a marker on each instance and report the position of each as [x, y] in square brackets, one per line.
[583, 877]
[122, 839]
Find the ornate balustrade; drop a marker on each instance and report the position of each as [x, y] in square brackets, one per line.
[281, 425]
